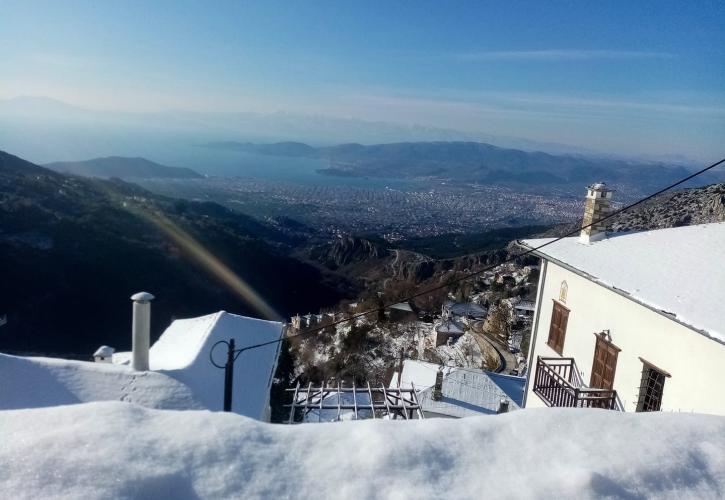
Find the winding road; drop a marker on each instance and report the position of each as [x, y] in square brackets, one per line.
[507, 361]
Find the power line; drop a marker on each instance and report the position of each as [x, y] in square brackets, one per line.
[468, 276]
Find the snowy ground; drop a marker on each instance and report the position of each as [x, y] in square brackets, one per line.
[464, 352]
[121, 450]
[40, 382]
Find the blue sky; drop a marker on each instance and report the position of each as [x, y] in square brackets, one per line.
[626, 77]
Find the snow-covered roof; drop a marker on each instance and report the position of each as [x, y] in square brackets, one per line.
[182, 352]
[466, 309]
[466, 391]
[678, 271]
[104, 351]
[449, 326]
[525, 305]
[401, 306]
[548, 453]
[41, 382]
[122, 358]
[344, 398]
[181, 375]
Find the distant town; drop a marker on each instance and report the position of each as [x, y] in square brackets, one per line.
[393, 214]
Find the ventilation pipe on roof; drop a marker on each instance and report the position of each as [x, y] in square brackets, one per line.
[141, 330]
[438, 387]
[503, 406]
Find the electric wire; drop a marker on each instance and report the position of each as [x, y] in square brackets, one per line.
[468, 276]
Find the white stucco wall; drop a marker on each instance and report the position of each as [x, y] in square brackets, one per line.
[694, 361]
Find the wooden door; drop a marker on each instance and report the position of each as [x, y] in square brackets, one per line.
[604, 365]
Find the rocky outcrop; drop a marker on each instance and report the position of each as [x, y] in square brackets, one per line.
[684, 207]
[348, 250]
[680, 208]
[411, 266]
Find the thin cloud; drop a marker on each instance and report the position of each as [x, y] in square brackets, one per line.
[561, 55]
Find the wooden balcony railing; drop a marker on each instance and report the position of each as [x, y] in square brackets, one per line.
[557, 383]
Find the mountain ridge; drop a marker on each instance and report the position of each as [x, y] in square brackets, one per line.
[123, 167]
[474, 162]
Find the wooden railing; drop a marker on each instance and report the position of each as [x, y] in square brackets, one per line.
[557, 383]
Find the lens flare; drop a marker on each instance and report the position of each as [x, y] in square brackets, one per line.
[205, 259]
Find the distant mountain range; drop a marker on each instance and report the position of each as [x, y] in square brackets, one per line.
[73, 250]
[67, 126]
[473, 162]
[122, 168]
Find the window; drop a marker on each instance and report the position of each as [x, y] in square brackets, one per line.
[651, 387]
[557, 330]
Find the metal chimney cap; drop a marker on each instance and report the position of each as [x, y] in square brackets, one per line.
[142, 297]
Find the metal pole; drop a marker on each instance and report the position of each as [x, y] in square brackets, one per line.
[229, 377]
[140, 330]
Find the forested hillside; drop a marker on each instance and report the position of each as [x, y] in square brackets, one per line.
[73, 250]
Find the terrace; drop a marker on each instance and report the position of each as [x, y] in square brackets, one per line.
[558, 383]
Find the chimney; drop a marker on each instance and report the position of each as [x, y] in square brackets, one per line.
[503, 406]
[400, 367]
[438, 387]
[140, 330]
[598, 205]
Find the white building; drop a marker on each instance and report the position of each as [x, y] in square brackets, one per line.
[633, 321]
[180, 374]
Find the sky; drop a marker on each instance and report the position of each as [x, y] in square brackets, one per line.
[623, 77]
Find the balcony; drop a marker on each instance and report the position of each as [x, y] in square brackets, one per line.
[557, 383]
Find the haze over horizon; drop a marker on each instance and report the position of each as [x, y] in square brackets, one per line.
[638, 80]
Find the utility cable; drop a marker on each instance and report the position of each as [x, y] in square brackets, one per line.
[468, 276]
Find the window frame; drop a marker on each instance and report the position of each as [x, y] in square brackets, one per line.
[645, 396]
[557, 335]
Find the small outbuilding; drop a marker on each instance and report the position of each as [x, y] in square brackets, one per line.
[104, 354]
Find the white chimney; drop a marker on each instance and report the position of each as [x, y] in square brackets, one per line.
[598, 205]
[140, 330]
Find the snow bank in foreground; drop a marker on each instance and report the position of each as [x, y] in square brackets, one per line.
[120, 450]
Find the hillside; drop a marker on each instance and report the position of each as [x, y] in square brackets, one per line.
[121, 450]
[375, 264]
[123, 168]
[677, 208]
[73, 250]
[477, 162]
